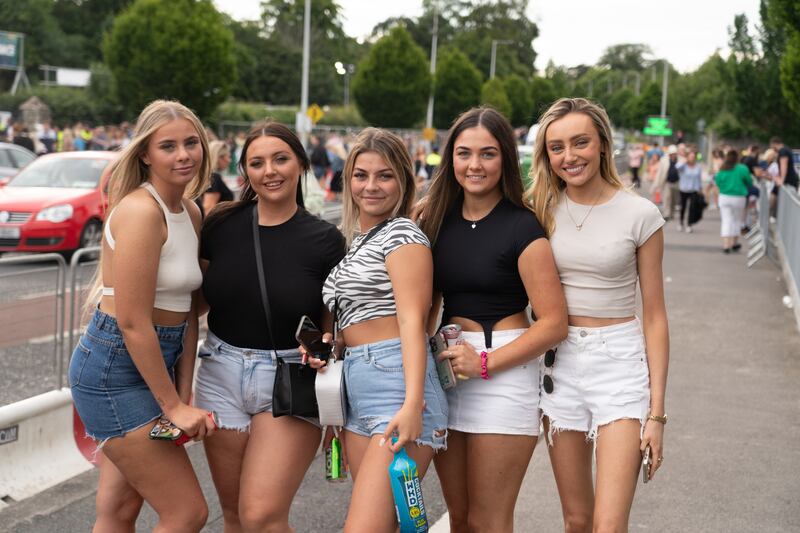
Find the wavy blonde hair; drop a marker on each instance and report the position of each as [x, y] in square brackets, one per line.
[546, 186]
[129, 171]
[215, 151]
[391, 148]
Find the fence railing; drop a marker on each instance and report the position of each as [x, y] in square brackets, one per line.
[787, 239]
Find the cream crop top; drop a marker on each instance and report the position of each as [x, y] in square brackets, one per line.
[178, 267]
[597, 264]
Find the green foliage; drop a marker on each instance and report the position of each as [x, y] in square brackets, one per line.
[519, 95]
[458, 87]
[494, 94]
[648, 103]
[178, 50]
[615, 107]
[392, 84]
[790, 73]
[233, 111]
[67, 105]
[624, 57]
[543, 94]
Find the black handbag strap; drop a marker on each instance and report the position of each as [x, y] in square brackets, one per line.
[262, 280]
[369, 235]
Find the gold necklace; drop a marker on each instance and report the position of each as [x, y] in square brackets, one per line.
[589, 212]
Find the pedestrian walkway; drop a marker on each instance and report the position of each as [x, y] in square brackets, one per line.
[731, 445]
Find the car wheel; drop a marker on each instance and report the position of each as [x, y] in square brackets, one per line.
[91, 236]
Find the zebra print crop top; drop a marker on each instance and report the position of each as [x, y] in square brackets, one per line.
[360, 282]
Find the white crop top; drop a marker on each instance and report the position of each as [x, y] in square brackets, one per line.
[178, 267]
[597, 264]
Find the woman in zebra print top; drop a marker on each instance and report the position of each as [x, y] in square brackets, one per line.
[381, 294]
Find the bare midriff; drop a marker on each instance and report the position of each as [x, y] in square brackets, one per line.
[371, 331]
[161, 317]
[595, 322]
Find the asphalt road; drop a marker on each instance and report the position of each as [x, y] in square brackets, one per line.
[731, 453]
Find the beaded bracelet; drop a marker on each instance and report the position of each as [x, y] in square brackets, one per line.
[484, 365]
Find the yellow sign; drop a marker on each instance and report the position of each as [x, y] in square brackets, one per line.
[315, 113]
[429, 134]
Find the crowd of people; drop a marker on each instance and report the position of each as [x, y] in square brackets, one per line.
[477, 250]
[684, 186]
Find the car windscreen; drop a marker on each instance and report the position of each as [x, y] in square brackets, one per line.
[61, 172]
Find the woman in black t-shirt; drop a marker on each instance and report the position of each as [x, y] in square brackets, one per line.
[491, 257]
[258, 461]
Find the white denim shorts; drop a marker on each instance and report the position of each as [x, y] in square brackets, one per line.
[507, 403]
[600, 375]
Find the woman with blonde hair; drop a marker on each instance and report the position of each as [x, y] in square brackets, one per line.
[491, 259]
[380, 294]
[218, 191]
[134, 363]
[604, 386]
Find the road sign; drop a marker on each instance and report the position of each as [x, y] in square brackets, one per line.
[658, 126]
[429, 134]
[9, 50]
[315, 113]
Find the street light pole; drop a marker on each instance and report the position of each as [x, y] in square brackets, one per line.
[493, 61]
[664, 88]
[303, 133]
[434, 42]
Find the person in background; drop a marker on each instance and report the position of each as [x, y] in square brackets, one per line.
[319, 159]
[787, 174]
[733, 181]
[217, 191]
[635, 159]
[667, 180]
[23, 138]
[689, 184]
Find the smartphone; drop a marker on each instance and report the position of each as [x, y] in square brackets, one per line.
[310, 337]
[165, 430]
[444, 368]
[646, 461]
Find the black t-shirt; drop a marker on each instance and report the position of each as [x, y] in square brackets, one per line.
[751, 162]
[673, 176]
[791, 173]
[476, 270]
[218, 185]
[298, 255]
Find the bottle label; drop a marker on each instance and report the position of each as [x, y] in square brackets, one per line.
[412, 492]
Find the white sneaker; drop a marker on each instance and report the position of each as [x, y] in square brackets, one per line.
[689, 229]
[680, 227]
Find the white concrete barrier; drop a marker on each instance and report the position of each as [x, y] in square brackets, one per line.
[37, 447]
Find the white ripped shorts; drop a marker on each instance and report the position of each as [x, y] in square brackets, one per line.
[600, 375]
[506, 404]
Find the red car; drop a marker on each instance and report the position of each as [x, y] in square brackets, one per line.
[56, 204]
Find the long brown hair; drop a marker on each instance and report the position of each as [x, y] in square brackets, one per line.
[444, 189]
[731, 158]
[394, 152]
[543, 194]
[266, 128]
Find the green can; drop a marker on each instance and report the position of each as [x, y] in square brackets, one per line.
[334, 462]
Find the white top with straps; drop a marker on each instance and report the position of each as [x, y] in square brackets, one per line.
[178, 267]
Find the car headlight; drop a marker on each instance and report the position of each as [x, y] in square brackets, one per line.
[57, 213]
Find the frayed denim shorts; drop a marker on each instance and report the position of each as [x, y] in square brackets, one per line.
[376, 390]
[236, 383]
[108, 392]
[600, 375]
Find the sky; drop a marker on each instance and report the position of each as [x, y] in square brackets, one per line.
[573, 32]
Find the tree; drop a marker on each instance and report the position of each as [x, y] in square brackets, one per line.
[648, 103]
[494, 94]
[615, 107]
[625, 57]
[458, 87]
[790, 73]
[519, 95]
[543, 93]
[179, 49]
[392, 84]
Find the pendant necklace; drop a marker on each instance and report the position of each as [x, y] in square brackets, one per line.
[580, 226]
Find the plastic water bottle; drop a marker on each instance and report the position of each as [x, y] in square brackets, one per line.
[407, 491]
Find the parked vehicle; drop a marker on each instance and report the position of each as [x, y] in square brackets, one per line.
[12, 159]
[56, 204]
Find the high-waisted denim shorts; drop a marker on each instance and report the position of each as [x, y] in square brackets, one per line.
[236, 383]
[110, 395]
[376, 390]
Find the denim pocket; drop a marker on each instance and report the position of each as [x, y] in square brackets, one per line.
[624, 349]
[388, 362]
[79, 357]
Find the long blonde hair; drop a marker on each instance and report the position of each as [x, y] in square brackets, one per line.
[129, 171]
[544, 192]
[215, 150]
[391, 148]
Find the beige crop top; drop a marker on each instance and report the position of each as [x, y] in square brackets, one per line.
[178, 267]
[597, 264]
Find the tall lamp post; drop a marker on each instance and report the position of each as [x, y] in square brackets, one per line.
[301, 122]
[434, 41]
[346, 70]
[493, 62]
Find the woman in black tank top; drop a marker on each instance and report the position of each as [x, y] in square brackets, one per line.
[491, 258]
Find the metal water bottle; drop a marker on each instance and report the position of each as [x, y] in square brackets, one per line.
[407, 492]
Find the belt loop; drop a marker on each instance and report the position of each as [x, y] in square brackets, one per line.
[274, 356]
